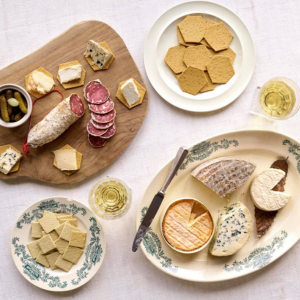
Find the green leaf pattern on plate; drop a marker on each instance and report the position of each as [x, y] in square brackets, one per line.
[295, 150]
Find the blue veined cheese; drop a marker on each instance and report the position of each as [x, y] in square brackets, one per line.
[8, 160]
[233, 230]
[99, 54]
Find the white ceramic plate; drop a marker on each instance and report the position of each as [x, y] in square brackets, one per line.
[163, 35]
[58, 280]
[261, 147]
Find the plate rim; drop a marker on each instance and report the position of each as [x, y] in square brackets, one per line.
[244, 131]
[103, 244]
[189, 108]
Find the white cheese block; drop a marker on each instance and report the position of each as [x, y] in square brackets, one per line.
[8, 160]
[40, 82]
[99, 54]
[70, 73]
[233, 230]
[262, 194]
[66, 159]
[130, 92]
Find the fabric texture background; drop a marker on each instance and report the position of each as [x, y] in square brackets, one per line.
[27, 25]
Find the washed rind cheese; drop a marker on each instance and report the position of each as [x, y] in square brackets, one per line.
[224, 175]
[262, 194]
[233, 230]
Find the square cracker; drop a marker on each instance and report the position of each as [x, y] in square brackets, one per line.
[141, 90]
[34, 249]
[72, 221]
[46, 244]
[77, 239]
[17, 165]
[36, 94]
[36, 230]
[72, 254]
[78, 159]
[59, 228]
[42, 259]
[54, 235]
[61, 245]
[74, 83]
[49, 222]
[66, 232]
[63, 264]
[95, 67]
[52, 259]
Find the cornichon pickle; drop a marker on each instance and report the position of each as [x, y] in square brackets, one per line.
[12, 117]
[18, 116]
[9, 109]
[22, 105]
[3, 106]
[9, 94]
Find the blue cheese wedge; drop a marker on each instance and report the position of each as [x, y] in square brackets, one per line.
[262, 194]
[8, 160]
[70, 73]
[99, 54]
[233, 230]
[130, 92]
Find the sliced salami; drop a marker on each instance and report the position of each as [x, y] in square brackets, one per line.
[95, 92]
[97, 141]
[76, 105]
[110, 132]
[92, 130]
[105, 118]
[102, 125]
[103, 108]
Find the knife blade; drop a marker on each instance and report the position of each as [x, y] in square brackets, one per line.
[158, 198]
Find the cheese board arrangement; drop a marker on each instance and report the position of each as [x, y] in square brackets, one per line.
[85, 100]
[199, 56]
[231, 209]
[58, 244]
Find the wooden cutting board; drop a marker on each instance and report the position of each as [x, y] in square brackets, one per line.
[70, 46]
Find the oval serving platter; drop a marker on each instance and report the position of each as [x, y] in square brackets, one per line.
[58, 280]
[260, 147]
[163, 35]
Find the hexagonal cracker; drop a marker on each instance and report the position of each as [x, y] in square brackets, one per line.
[192, 80]
[181, 40]
[17, 165]
[192, 29]
[220, 69]
[174, 59]
[227, 52]
[210, 86]
[207, 23]
[197, 56]
[218, 36]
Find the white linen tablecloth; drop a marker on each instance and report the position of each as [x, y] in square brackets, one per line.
[27, 25]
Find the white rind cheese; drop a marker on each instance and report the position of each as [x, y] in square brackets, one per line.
[66, 159]
[41, 83]
[99, 54]
[130, 92]
[262, 194]
[70, 73]
[233, 230]
[8, 160]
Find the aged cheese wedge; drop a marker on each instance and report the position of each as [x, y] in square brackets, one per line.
[224, 175]
[66, 159]
[262, 194]
[183, 229]
[233, 230]
[41, 83]
[130, 92]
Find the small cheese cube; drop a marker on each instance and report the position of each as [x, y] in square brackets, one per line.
[46, 244]
[34, 249]
[130, 92]
[61, 245]
[66, 232]
[77, 239]
[8, 160]
[36, 230]
[63, 264]
[72, 254]
[49, 222]
[42, 259]
[52, 258]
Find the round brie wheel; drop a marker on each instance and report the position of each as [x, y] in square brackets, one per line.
[262, 194]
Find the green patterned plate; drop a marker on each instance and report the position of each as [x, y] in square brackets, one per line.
[58, 280]
[261, 147]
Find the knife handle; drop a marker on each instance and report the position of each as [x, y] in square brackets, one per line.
[179, 158]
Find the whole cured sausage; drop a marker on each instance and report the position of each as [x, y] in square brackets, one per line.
[56, 122]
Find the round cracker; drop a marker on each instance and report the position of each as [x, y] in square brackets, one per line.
[192, 29]
[174, 59]
[197, 56]
[220, 69]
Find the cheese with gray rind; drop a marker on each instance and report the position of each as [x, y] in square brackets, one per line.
[233, 230]
[261, 190]
[224, 175]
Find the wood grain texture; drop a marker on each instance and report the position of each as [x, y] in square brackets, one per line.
[70, 46]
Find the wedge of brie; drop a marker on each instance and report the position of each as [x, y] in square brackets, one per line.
[40, 82]
[70, 73]
[130, 92]
[262, 194]
[224, 175]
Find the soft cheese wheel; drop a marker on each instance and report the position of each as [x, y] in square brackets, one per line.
[262, 194]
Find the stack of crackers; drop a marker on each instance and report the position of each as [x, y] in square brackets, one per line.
[59, 243]
[203, 57]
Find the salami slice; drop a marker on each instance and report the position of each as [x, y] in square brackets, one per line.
[92, 130]
[56, 122]
[103, 108]
[95, 92]
[97, 141]
[102, 125]
[110, 132]
[105, 118]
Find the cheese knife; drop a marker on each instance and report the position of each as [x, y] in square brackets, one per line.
[158, 198]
